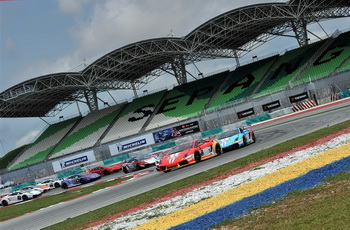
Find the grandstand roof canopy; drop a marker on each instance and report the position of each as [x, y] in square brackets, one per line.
[231, 34]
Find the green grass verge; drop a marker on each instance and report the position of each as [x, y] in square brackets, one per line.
[322, 207]
[153, 195]
[23, 208]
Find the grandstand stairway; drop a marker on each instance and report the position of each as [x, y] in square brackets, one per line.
[331, 59]
[240, 83]
[319, 52]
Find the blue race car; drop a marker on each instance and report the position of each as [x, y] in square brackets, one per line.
[79, 179]
[236, 138]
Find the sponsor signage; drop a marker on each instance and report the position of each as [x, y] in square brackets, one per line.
[298, 97]
[181, 130]
[130, 144]
[245, 113]
[73, 161]
[272, 105]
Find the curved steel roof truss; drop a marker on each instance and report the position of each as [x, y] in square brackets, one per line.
[232, 34]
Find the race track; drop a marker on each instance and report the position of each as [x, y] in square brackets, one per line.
[268, 134]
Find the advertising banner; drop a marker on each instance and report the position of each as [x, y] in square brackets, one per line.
[272, 105]
[130, 144]
[245, 113]
[181, 130]
[73, 161]
[298, 97]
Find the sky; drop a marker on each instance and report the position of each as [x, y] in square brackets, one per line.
[39, 37]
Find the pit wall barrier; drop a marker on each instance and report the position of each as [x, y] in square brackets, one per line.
[69, 173]
[258, 119]
[116, 159]
[211, 132]
[19, 186]
[160, 147]
[344, 94]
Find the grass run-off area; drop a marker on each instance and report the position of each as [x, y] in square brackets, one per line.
[323, 207]
[82, 221]
[34, 205]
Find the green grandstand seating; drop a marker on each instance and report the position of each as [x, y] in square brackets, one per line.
[286, 68]
[134, 116]
[87, 132]
[43, 145]
[345, 66]
[242, 81]
[191, 97]
[186, 101]
[329, 61]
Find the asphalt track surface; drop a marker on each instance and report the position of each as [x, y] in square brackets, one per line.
[267, 135]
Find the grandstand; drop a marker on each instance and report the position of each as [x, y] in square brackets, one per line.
[188, 100]
[241, 82]
[88, 132]
[286, 68]
[43, 145]
[133, 117]
[330, 60]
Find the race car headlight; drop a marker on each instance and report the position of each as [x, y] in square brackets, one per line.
[224, 141]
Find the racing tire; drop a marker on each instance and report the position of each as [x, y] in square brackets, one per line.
[82, 181]
[218, 150]
[197, 157]
[57, 185]
[4, 203]
[253, 138]
[138, 167]
[64, 186]
[125, 170]
[24, 198]
[106, 172]
[244, 141]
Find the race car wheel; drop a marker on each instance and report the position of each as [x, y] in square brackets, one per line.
[218, 149]
[138, 167]
[253, 137]
[244, 141]
[57, 185]
[82, 181]
[24, 198]
[4, 203]
[105, 172]
[125, 170]
[197, 157]
[64, 186]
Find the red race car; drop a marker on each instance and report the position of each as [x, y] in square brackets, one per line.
[104, 170]
[189, 153]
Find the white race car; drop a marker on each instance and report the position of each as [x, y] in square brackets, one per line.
[15, 197]
[52, 183]
[34, 191]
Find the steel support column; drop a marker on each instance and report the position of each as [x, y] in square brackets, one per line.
[178, 66]
[299, 28]
[91, 99]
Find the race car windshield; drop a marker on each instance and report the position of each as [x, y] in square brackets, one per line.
[228, 134]
[181, 148]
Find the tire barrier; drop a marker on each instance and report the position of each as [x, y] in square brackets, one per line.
[303, 105]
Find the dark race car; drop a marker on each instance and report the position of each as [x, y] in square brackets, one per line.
[105, 170]
[189, 153]
[236, 138]
[79, 179]
[138, 162]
